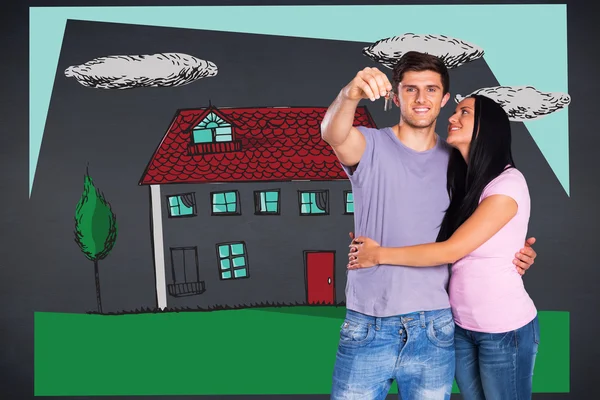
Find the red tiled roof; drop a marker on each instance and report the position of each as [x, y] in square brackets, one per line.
[277, 144]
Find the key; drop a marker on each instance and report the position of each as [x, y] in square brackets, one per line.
[388, 101]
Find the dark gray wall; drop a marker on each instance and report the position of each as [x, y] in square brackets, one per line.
[275, 243]
[43, 270]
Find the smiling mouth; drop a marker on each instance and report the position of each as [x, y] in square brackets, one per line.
[421, 110]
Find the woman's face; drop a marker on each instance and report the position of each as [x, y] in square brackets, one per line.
[461, 123]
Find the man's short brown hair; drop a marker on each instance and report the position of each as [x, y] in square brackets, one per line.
[415, 61]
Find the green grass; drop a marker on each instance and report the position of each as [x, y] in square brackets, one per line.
[250, 351]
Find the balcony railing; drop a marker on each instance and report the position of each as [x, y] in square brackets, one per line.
[217, 147]
[186, 289]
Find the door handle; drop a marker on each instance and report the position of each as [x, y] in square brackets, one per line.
[329, 281]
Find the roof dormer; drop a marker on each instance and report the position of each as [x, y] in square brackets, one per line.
[213, 134]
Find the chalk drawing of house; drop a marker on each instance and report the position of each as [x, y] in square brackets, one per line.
[249, 205]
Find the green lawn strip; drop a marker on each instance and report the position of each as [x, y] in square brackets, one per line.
[250, 351]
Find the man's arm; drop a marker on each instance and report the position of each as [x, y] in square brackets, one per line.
[337, 126]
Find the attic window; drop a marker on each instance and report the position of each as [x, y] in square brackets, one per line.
[212, 129]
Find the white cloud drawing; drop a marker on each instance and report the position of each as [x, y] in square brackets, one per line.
[454, 52]
[523, 103]
[134, 71]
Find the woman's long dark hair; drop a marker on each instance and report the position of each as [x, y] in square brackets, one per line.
[489, 155]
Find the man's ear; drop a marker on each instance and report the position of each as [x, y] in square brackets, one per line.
[395, 99]
[445, 99]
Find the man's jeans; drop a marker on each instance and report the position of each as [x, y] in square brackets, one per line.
[415, 349]
[496, 366]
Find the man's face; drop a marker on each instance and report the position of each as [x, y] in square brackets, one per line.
[420, 98]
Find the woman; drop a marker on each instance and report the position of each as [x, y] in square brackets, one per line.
[497, 330]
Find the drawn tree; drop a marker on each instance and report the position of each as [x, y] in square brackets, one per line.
[95, 228]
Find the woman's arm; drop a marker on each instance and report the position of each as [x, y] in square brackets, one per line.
[490, 216]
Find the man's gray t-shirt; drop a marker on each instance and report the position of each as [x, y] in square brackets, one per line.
[400, 197]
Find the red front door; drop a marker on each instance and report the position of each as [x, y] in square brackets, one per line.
[320, 283]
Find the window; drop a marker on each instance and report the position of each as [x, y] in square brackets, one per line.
[182, 205]
[349, 202]
[225, 203]
[212, 129]
[266, 202]
[314, 202]
[186, 276]
[233, 260]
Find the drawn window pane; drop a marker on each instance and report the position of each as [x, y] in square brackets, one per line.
[237, 249]
[225, 203]
[230, 197]
[174, 207]
[219, 198]
[182, 205]
[222, 208]
[185, 210]
[224, 138]
[239, 262]
[313, 202]
[272, 196]
[223, 134]
[232, 262]
[239, 273]
[267, 202]
[305, 198]
[224, 251]
[203, 136]
[224, 130]
[349, 203]
[226, 264]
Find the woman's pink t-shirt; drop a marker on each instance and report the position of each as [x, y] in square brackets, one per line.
[486, 291]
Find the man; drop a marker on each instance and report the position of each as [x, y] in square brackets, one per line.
[398, 323]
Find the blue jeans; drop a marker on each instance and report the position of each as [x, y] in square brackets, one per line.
[417, 350]
[496, 366]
